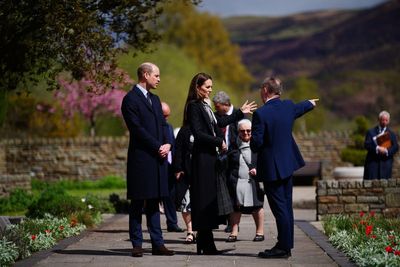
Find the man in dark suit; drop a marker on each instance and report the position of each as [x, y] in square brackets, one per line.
[168, 202]
[277, 158]
[379, 160]
[147, 177]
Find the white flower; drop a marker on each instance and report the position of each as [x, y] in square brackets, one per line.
[90, 206]
[83, 199]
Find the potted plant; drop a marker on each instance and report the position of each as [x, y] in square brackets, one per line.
[354, 153]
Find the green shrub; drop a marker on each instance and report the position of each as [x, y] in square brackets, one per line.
[120, 205]
[355, 153]
[55, 201]
[19, 200]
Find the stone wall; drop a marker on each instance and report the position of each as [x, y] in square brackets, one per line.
[92, 158]
[9, 182]
[72, 158]
[380, 196]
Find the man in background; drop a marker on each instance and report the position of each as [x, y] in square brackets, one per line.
[224, 107]
[168, 202]
[379, 160]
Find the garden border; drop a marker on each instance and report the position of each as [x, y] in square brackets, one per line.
[62, 244]
[322, 241]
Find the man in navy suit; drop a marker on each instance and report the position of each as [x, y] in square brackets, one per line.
[168, 202]
[379, 160]
[277, 158]
[147, 177]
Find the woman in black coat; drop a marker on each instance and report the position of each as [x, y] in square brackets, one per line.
[208, 142]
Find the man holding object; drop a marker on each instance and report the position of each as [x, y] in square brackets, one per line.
[379, 160]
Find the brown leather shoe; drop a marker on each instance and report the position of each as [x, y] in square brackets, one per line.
[137, 252]
[162, 251]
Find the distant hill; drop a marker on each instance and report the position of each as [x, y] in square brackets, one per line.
[354, 55]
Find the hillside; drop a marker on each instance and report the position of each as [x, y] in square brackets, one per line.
[353, 55]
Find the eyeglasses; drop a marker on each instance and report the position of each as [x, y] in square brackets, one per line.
[245, 131]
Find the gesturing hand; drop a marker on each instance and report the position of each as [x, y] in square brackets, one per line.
[314, 101]
[248, 107]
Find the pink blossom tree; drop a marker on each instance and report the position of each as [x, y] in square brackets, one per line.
[91, 99]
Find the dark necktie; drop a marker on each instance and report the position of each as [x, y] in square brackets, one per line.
[148, 98]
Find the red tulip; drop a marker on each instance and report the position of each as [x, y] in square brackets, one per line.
[33, 237]
[368, 229]
[389, 249]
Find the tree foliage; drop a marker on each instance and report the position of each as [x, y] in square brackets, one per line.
[75, 98]
[204, 38]
[304, 89]
[39, 39]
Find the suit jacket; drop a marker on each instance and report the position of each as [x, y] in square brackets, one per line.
[277, 153]
[147, 174]
[232, 131]
[378, 166]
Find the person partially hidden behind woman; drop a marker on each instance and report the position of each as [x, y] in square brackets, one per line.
[249, 195]
[208, 142]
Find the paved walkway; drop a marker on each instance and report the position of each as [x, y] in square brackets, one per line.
[109, 246]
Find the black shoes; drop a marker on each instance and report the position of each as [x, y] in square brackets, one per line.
[175, 229]
[275, 253]
[258, 238]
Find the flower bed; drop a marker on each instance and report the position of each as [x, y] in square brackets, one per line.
[31, 235]
[368, 239]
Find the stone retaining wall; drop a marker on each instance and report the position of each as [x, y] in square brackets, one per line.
[70, 158]
[9, 182]
[92, 158]
[380, 196]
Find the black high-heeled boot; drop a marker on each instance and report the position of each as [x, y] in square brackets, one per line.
[199, 244]
[207, 246]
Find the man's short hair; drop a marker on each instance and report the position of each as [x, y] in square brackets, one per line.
[145, 67]
[384, 113]
[273, 85]
[222, 98]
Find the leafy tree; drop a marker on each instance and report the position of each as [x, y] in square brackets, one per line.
[304, 89]
[75, 98]
[204, 38]
[39, 39]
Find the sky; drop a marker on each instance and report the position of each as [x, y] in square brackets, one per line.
[226, 8]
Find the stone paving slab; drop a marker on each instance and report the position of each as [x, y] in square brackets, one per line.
[109, 246]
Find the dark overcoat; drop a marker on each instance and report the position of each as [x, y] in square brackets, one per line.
[203, 188]
[378, 166]
[147, 173]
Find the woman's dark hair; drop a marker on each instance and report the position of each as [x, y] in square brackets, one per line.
[198, 80]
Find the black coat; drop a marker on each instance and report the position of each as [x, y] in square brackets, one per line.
[182, 161]
[203, 190]
[147, 174]
[378, 166]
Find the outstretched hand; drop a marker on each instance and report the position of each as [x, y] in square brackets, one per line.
[248, 107]
[314, 101]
